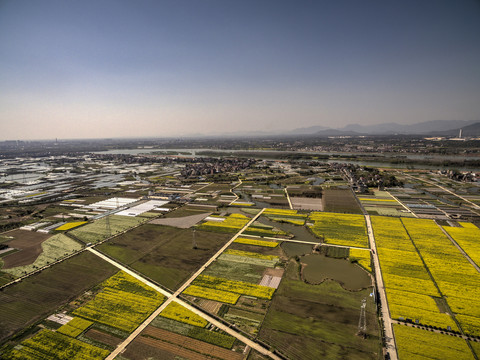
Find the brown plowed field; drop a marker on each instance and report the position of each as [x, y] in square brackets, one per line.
[161, 346]
[185, 342]
[103, 337]
[30, 245]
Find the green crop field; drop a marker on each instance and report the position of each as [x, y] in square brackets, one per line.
[40, 294]
[164, 253]
[98, 230]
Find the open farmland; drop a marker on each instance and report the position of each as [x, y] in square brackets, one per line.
[52, 345]
[340, 201]
[457, 279]
[28, 301]
[70, 225]
[318, 321]
[467, 235]
[177, 312]
[122, 291]
[411, 291]
[98, 230]
[182, 346]
[239, 287]
[340, 229]
[54, 248]
[195, 332]
[421, 344]
[164, 253]
[229, 224]
[29, 244]
[382, 203]
[184, 222]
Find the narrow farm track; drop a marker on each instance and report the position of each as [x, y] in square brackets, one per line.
[387, 321]
[231, 190]
[304, 242]
[174, 297]
[288, 198]
[401, 203]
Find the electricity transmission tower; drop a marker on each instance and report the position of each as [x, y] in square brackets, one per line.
[362, 322]
[194, 240]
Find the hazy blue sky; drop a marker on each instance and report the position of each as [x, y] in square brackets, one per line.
[160, 68]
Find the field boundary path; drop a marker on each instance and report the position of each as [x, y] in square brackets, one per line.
[387, 321]
[401, 203]
[233, 188]
[288, 198]
[305, 242]
[174, 297]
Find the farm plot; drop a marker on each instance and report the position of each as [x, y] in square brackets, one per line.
[212, 294]
[181, 222]
[306, 203]
[75, 327]
[246, 320]
[230, 224]
[235, 271]
[259, 229]
[420, 344]
[410, 291]
[195, 332]
[99, 230]
[382, 203]
[70, 225]
[54, 248]
[457, 279]
[362, 258]
[340, 229]
[256, 242]
[30, 245]
[30, 300]
[175, 311]
[52, 345]
[247, 260]
[319, 321]
[164, 253]
[284, 214]
[239, 287]
[341, 201]
[185, 347]
[123, 303]
[467, 236]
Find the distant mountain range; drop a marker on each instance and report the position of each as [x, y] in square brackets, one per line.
[434, 128]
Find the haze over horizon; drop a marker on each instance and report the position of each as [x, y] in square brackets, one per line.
[96, 69]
